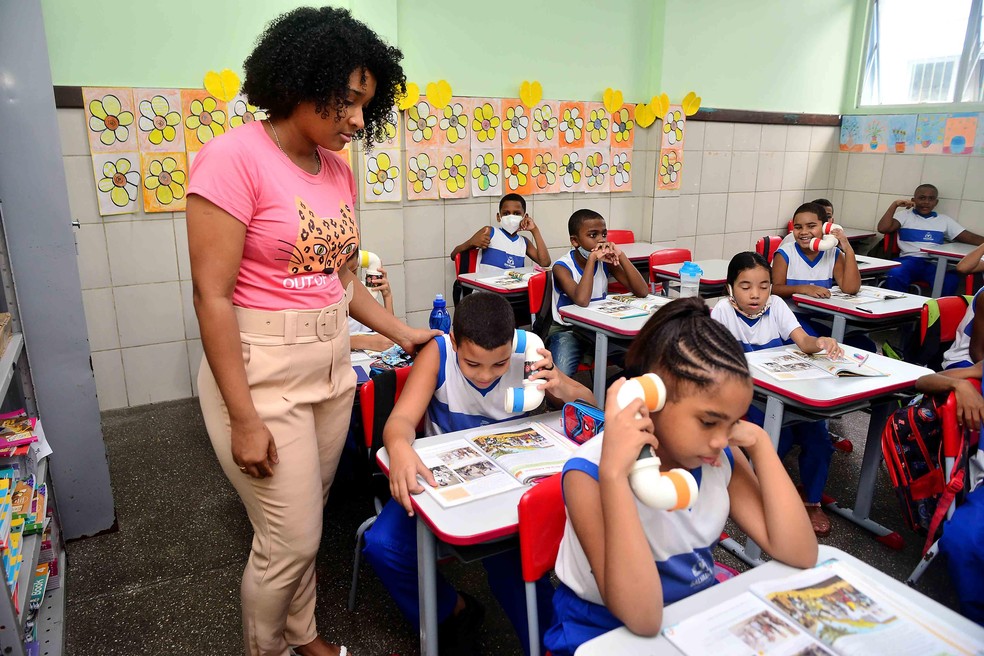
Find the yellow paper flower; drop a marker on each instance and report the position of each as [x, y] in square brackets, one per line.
[421, 122]
[544, 170]
[486, 171]
[598, 125]
[167, 179]
[485, 122]
[158, 120]
[207, 121]
[243, 112]
[570, 168]
[595, 169]
[517, 171]
[622, 125]
[420, 173]
[544, 123]
[620, 169]
[669, 167]
[571, 124]
[119, 182]
[454, 122]
[382, 174]
[516, 123]
[109, 119]
[453, 172]
[673, 126]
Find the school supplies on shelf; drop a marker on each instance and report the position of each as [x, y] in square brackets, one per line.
[796, 365]
[16, 428]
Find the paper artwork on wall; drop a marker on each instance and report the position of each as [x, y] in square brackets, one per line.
[452, 172]
[672, 134]
[383, 179]
[597, 123]
[486, 123]
[620, 170]
[165, 178]
[453, 123]
[924, 134]
[544, 170]
[570, 170]
[110, 116]
[545, 124]
[516, 165]
[623, 127]
[596, 165]
[204, 117]
[878, 134]
[670, 168]
[486, 172]
[421, 174]
[571, 124]
[117, 178]
[241, 112]
[159, 120]
[515, 124]
[394, 130]
[959, 133]
[421, 125]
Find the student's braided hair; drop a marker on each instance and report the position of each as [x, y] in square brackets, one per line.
[682, 341]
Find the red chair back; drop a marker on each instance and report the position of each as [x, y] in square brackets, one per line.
[952, 309]
[541, 527]
[621, 236]
[466, 261]
[666, 256]
[367, 402]
[535, 288]
[767, 246]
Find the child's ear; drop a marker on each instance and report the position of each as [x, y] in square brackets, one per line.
[574, 241]
[454, 344]
[498, 217]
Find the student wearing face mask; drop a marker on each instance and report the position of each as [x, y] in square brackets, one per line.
[502, 247]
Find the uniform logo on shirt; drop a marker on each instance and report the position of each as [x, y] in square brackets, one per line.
[700, 571]
[510, 262]
[323, 244]
[928, 237]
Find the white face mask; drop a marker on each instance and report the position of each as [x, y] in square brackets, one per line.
[510, 223]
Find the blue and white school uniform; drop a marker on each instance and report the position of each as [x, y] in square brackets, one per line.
[566, 347]
[599, 288]
[915, 232]
[775, 328]
[804, 270]
[391, 542]
[681, 543]
[504, 252]
[958, 355]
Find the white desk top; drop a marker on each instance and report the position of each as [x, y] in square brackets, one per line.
[628, 327]
[833, 392]
[480, 281]
[953, 249]
[715, 271]
[623, 641]
[640, 250]
[482, 520]
[858, 233]
[873, 309]
[873, 264]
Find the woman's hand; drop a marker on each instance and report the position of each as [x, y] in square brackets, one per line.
[410, 338]
[815, 291]
[627, 431]
[831, 346]
[253, 449]
[405, 465]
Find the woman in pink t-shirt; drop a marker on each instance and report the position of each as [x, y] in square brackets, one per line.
[271, 224]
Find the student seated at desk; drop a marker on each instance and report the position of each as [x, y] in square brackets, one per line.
[458, 382]
[760, 321]
[917, 225]
[620, 562]
[970, 404]
[826, 205]
[968, 342]
[503, 248]
[361, 337]
[580, 277]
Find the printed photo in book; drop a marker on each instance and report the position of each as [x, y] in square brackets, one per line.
[616, 309]
[864, 295]
[796, 365]
[649, 303]
[510, 279]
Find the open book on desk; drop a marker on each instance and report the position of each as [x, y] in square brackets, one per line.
[864, 296]
[486, 463]
[510, 279]
[829, 609]
[626, 306]
[796, 365]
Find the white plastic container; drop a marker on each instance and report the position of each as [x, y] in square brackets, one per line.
[690, 274]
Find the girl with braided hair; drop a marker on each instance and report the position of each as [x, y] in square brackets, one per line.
[620, 561]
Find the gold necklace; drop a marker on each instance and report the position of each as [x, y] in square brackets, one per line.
[317, 159]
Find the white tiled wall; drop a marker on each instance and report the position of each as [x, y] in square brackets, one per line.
[136, 279]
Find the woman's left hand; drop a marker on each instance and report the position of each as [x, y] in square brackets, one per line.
[410, 338]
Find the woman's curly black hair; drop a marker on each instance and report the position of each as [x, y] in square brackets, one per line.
[308, 55]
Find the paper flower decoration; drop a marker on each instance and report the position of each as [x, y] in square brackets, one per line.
[517, 171]
[598, 125]
[620, 169]
[421, 122]
[420, 173]
[410, 98]
[544, 123]
[669, 167]
[119, 182]
[485, 122]
[453, 123]
[673, 126]
[621, 125]
[571, 124]
[516, 123]
[570, 169]
[157, 119]
[381, 175]
[109, 119]
[596, 169]
[530, 93]
[166, 180]
[207, 121]
[453, 172]
[544, 170]
[486, 171]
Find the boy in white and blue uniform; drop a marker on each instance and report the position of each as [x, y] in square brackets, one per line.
[458, 382]
[502, 248]
[958, 355]
[581, 276]
[918, 224]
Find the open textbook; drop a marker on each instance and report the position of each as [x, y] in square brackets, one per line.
[831, 609]
[865, 295]
[796, 365]
[483, 464]
[514, 278]
[625, 306]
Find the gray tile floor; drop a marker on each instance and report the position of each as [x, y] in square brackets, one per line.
[167, 582]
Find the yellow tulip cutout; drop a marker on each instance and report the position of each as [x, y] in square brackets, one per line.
[660, 105]
[410, 98]
[439, 94]
[612, 99]
[644, 115]
[223, 86]
[531, 93]
[690, 104]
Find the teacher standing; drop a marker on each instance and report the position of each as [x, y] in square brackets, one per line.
[271, 223]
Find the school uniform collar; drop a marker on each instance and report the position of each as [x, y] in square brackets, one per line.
[812, 263]
[925, 216]
[508, 236]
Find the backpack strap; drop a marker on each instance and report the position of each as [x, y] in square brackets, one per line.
[952, 489]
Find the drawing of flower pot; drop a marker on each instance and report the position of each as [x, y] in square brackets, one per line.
[874, 134]
[899, 136]
[900, 146]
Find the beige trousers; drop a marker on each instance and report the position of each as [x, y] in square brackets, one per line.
[303, 385]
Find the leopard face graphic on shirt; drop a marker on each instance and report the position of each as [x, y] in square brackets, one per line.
[323, 244]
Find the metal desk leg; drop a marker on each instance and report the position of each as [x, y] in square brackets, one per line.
[839, 328]
[940, 276]
[600, 368]
[427, 592]
[774, 409]
[867, 481]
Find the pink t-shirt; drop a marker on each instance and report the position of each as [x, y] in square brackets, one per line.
[300, 228]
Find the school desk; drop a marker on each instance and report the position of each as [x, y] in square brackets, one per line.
[944, 254]
[790, 401]
[855, 235]
[870, 314]
[482, 282]
[623, 641]
[473, 530]
[712, 281]
[604, 327]
[874, 268]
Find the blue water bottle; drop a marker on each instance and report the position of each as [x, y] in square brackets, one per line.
[439, 318]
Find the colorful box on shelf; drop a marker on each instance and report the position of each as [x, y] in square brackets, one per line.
[6, 331]
[35, 520]
[16, 428]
